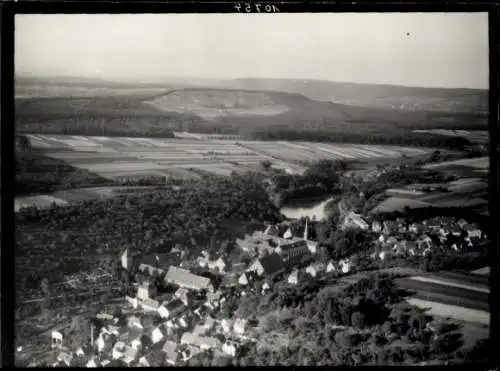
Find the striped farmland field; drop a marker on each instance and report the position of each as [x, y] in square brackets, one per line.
[462, 276]
[442, 290]
[478, 163]
[108, 156]
[179, 172]
[460, 313]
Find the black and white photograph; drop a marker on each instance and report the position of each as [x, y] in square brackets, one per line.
[297, 189]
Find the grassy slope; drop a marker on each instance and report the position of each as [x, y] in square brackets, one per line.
[37, 173]
[371, 95]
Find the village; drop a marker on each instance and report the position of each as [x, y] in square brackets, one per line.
[178, 307]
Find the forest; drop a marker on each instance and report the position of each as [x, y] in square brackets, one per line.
[322, 323]
[142, 221]
[305, 119]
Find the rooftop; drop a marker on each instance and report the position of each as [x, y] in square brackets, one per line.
[187, 279]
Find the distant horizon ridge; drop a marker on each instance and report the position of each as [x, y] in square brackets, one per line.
[164, 80]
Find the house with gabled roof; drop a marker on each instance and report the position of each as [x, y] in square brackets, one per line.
[221, 264]
[209, 323]
[226, 325]
[433, 225]
[376, 226]
[186, 279]
[91, 363]
[187, 296]
[425, 242]
[80, 352]
[154, 358]
[105, 362]
[146, 290]
[199, 330]
[243, 280]
[315, 268]
[65, 357]
[266, 286]
[185, 320]
[155, 334]
[473, 230]
[57, 339]
[150, 305]
[293, 278]
[134, 337]
[355, 220]
[130, 355]
[132, 301]
[172, 308]
[240, 325]
[391, 241]
[118, 350]
[229, 348]
[275, 230]
[189, 352]
[171, 354]
[331, 267]
[455, 230]
[345, 265]
[414, 228]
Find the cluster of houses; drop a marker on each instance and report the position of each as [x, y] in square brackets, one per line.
[398, 236]
[173, 322]
[157, 329]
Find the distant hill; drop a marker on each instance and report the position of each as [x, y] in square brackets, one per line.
[26, 82]
[253, 108]
[471, 101]
[371, 95]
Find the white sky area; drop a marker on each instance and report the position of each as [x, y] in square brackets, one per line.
[441, 50]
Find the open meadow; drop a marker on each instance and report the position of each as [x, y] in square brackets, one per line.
[465, 192]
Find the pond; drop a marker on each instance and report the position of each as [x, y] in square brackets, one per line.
[306, 208]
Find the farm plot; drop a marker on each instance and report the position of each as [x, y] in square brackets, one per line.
[393, 204]
[218, 169]
[315, 151]
[470, 187]
[401, 192]
[280, 151]
[81, 158]
[464, 181]
[178, 172]
[476, 163]
[455, 197]
[77, 195]
[479, 136]
[454, 311]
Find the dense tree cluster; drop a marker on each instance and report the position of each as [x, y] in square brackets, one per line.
[149, 126]
[360, 135]
[58, 240]
[320, 178]
[362, 324]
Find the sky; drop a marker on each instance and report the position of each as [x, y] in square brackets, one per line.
[412, 49]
